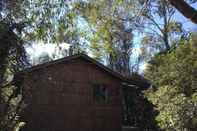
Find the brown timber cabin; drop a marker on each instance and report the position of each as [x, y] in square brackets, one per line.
[75, 93]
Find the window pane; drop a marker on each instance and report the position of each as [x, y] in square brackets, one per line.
[100, 93]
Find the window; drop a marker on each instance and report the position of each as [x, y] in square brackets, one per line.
[100, 93]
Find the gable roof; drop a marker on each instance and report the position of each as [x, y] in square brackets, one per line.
[77, 56]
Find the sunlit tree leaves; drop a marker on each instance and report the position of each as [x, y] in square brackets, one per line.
[173, 75]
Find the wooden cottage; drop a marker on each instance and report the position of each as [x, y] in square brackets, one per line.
[75, 93]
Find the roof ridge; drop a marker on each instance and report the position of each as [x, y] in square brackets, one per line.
[75, 56]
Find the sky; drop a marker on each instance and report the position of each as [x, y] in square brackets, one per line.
[39, 48]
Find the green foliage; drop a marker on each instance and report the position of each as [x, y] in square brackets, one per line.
[40, 19]
[177, 111]
[174, 76]
[111, 37]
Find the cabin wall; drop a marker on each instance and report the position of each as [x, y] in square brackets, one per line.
[60, 98]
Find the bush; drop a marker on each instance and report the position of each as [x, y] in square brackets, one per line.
[174, 91]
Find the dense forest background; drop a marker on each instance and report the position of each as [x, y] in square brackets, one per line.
[110, 31]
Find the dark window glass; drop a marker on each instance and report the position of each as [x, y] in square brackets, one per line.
[100, 93]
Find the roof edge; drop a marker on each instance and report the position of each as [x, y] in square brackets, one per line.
[81, 55]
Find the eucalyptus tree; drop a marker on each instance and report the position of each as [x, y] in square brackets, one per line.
[160, 28]
[111, 25]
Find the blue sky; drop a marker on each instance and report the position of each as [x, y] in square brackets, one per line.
[186, 22]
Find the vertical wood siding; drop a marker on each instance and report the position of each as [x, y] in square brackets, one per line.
[60, 98]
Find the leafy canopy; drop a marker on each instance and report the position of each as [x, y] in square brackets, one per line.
[174, 76]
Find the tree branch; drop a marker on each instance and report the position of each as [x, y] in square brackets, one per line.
[183, 7]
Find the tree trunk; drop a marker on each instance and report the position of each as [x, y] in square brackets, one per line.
[166, 24]
[188, 11]
[165, 39]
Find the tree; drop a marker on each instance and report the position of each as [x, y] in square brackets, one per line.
[160, 27]
[173, 75]
[111, 32]
[12, 53]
